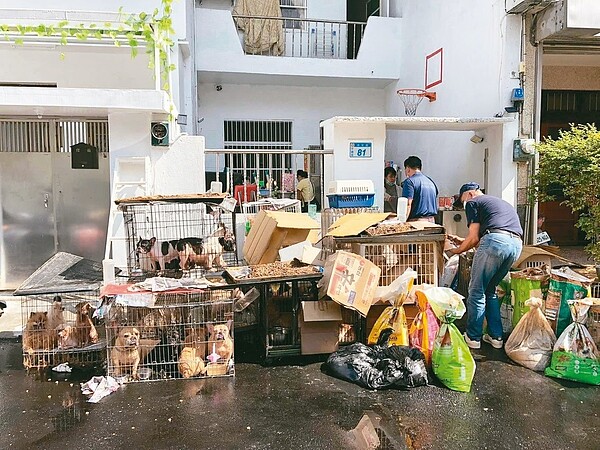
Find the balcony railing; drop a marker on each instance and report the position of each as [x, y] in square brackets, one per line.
[301, 38]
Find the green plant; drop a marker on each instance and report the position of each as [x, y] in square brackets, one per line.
[569, 171]
[154, 29]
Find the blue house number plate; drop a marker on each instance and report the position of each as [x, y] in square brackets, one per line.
[361, 150]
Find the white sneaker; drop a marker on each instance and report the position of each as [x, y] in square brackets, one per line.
[496, 343]
[471, 343]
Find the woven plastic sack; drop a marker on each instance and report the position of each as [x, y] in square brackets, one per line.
[524, 284]
[565, 285]
[575, 356]
[424, 327]
[533, 339]
[451, 358]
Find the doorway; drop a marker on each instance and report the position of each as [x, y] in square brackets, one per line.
[47, 205]
[359, 11]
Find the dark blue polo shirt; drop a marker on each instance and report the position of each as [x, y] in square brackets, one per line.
[423, 192]
[492, 213]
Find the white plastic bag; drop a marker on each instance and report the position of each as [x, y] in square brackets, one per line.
[532, 340]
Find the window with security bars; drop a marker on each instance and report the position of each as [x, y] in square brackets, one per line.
[46, 136]
[261, 163]
[295, 9]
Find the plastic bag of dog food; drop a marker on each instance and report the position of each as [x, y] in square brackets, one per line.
[565, 285]
[527, 283]
[451, 358]
[575, 356]
[532, 340]
[424, 327]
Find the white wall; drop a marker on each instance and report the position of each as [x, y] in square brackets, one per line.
[81, 67]
[305, 106]
[481, 54]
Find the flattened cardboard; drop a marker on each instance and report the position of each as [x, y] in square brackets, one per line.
[272, 230]
[350, 280]
[354, 224]
[319, 327]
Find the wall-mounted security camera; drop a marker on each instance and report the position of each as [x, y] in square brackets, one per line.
[219, 88]
[476, 139]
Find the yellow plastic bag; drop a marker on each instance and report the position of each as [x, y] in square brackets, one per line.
[390, 327]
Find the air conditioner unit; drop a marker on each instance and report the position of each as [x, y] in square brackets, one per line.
[521, 6]
[160, 134]
[523, 149]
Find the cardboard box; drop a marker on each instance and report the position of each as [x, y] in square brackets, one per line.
[319, 327]
[272, 230]
[350, 280]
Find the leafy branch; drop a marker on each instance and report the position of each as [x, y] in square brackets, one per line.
[569, 171]
[153, 30]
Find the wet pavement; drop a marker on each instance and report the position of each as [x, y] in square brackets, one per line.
[299, 407]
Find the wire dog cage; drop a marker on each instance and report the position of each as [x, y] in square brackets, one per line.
[59, 328]
[180, 334]
[176, 237]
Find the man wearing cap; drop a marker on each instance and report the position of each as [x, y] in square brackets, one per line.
[495, 229]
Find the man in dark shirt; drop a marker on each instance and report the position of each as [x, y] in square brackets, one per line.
[495, 229]
[420, 190]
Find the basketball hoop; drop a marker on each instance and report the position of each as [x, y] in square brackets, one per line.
[412, 97]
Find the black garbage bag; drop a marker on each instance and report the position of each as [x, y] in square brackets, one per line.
[378, 367]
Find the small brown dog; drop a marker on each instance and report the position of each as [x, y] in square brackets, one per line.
[125, 355]
[191, 359]
[220, 340]
[36, 335]
[67, 336]
[86, 331]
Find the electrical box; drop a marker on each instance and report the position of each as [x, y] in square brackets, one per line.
[160, 134]
[517, 95]
[523, 149]
[84, 156]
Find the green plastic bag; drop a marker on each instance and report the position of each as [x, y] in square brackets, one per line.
[524, 284]
[451, 359]
[575, 356]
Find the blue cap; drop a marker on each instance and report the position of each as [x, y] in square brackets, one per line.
[471, 186]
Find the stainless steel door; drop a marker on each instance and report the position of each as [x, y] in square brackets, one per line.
[82, 199]
[27, 232]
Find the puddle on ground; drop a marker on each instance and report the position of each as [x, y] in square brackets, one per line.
[71, 413]
[377, 431]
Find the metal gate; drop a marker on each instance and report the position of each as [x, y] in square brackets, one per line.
[46, 205]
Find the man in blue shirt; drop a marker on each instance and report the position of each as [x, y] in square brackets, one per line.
[495, 229]
[421, 192]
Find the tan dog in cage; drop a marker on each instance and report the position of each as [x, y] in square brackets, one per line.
[191, 359]
[125, 355]
[220, 341]
[86, 331]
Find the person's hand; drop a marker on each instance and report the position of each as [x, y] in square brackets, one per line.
[386, 196]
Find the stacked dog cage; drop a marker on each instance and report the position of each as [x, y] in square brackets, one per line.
[57, 309]
[251, 209]
[178, 334]
[177, 236]
[328, 218]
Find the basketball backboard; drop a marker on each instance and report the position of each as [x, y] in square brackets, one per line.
[434, 68]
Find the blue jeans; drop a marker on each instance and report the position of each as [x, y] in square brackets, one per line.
[492, 261]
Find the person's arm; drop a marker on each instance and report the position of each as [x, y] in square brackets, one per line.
[408, 205]
[408, 191]
[299, 196]
[470, 241]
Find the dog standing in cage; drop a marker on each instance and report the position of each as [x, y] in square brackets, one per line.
[125, 355]
[160, 254]
[86, 331]
[222, 240]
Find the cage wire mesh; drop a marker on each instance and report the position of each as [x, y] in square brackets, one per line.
[283, 304]
[187, 334]
[60, 328]
[394, 258]
[172, 238]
